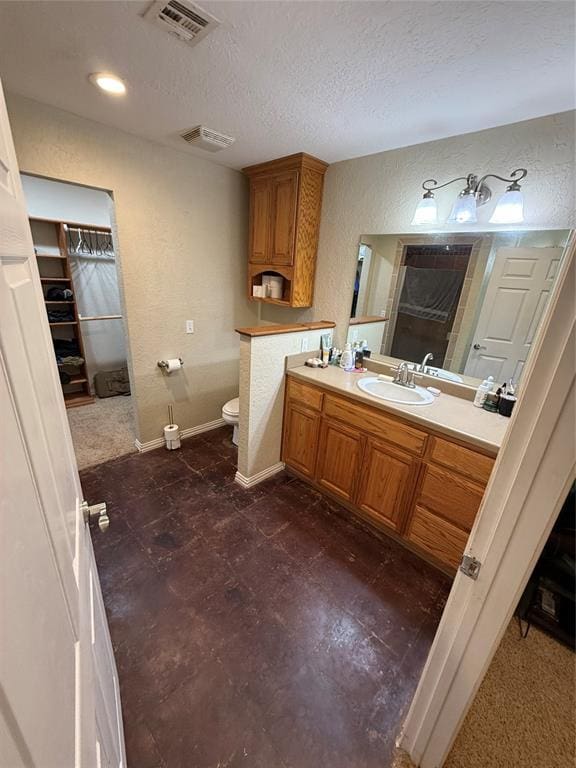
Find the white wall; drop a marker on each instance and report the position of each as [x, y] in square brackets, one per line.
[95, 277]
[181, 226]
[262, 368]
[378, 193]
[50, 199]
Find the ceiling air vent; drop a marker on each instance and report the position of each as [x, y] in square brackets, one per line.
[206, 138]
[181, 18]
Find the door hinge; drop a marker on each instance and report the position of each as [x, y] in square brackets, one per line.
[470, 566]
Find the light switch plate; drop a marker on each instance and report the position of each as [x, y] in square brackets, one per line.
[189, 326]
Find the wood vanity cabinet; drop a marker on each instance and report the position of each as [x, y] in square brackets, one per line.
[285, 205]
[387, 478]
[447, 499]
[301, 428]
[340, 453]
[419, 486]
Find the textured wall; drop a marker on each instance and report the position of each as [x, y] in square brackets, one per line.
[377, 194]
[181, 226]
[262, 396]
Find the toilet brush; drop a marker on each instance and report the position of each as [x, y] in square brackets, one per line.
[171, 432]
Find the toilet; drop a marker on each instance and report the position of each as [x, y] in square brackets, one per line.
[230, 411]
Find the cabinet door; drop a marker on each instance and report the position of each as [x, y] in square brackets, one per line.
[388, 477]
[285, 200]
[260, 216]
[340, 452]
[301, 439]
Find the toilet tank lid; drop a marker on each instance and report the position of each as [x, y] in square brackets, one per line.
[232, 407]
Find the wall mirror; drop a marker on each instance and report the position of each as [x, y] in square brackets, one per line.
[470, 304]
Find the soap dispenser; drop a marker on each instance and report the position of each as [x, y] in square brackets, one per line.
[347, 359]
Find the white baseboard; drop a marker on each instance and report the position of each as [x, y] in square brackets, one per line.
[249, 482]
[190, 432]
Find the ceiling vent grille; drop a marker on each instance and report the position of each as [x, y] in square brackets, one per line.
[186, 20]
[206, 138]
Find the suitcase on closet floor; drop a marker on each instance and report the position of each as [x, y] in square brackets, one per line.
[111, 383]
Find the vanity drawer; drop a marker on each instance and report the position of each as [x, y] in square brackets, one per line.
[439, 537]
[460, 459]
[304, 394]
[452, 496]
[375, 422]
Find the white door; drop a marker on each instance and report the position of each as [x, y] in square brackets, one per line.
[517, 294]
[59, 702]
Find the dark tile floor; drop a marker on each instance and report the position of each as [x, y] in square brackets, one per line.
[255, 628]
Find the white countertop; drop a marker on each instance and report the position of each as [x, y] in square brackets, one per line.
[451, 415]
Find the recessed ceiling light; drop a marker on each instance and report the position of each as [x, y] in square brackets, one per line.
[108, 82]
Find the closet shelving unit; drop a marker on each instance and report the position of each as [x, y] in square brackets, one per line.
[51, 248]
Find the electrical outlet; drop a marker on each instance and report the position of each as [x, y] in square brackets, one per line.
[304, 347]
[189, 326]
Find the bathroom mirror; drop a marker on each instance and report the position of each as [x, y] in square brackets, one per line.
[466, 305]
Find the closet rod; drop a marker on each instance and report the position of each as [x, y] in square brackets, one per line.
[100, 317]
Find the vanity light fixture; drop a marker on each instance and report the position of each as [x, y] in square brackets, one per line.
[108, 82]
[509, 209]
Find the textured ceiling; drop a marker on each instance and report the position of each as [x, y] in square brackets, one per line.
[335, 79]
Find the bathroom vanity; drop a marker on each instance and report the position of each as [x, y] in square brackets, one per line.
[417, 473]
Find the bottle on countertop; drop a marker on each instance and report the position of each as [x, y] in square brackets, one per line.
[482, 391]
[347, 359]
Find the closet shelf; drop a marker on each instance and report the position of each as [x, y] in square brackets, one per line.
[76, 380]
[66, 322]
[72, 399]
[77, 390]
[268, 300]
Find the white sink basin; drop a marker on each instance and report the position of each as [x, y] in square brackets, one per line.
[441, 373]
[395, 393]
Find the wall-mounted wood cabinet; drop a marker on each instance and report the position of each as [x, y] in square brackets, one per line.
[407, 481]
[285, 206]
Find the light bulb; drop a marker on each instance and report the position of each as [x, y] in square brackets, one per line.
[464, 209]
[426, 211]
[108, 82]
[509, 209]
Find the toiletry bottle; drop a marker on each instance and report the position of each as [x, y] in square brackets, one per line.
[347, 359]
[359, 359]
[482, 391]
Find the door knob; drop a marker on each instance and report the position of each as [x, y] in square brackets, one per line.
[96, 512]
[479, 346]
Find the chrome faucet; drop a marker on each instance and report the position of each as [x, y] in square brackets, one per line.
[404, 375]
[422, 366]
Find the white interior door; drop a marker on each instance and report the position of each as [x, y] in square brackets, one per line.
[58, 681]
[517, 295]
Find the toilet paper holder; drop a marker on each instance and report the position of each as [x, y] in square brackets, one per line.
[164, 364]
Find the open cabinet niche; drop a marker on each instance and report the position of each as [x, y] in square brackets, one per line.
[260, 276]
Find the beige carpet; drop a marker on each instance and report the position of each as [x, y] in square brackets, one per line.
[102, 430]
[524, 713]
